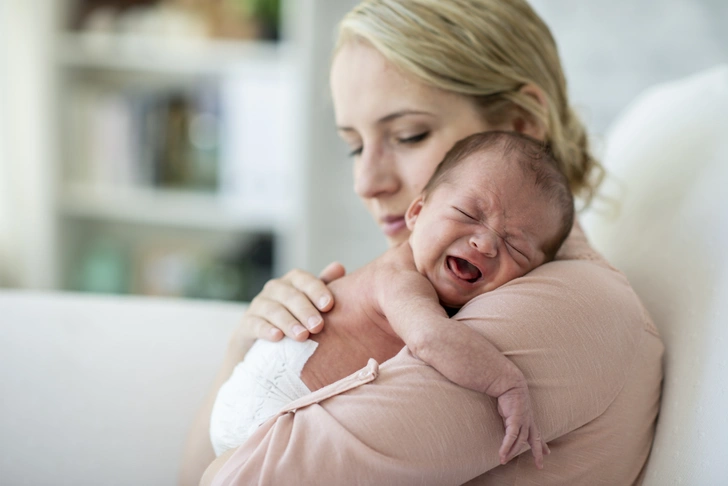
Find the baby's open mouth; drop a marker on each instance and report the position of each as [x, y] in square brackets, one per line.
[463, 269]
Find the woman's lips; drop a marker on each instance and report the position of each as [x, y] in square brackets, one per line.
[391, 225]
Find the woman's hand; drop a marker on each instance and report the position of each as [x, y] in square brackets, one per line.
[291, 306]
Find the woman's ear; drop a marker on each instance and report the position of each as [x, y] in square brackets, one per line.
[525, 123]
[413, 211]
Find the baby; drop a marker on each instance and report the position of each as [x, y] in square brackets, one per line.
[496, 208]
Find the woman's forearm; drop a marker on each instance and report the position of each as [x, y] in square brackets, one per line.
[198, 452]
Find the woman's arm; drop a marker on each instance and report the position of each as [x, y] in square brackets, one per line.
[576, 333]
[285, 306]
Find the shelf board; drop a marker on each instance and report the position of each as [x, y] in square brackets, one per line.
[166, 208]
[157, 54]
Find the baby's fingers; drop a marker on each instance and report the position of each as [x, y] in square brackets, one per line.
[517, 445]
[512, 432]
[538, 446]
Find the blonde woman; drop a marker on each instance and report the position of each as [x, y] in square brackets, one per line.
[410, 78]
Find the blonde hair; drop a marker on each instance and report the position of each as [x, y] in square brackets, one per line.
[488, 50]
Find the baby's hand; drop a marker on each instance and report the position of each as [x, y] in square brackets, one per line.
[515, 407]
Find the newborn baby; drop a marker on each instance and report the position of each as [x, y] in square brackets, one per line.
[496, 208]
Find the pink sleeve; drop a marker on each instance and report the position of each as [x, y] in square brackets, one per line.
[574, 328]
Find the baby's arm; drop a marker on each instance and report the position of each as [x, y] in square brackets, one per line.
[462, 355]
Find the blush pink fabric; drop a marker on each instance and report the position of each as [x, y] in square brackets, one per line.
[593, 360]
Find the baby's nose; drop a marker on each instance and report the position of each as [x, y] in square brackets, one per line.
[486, 243]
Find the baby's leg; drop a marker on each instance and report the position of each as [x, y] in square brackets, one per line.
[260, 386]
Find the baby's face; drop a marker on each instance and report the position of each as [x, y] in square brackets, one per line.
[481, 227]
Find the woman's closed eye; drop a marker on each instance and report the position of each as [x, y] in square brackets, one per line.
[357, 151]
[414, 138]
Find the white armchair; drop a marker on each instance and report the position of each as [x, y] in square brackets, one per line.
[101, 390]
[668, 160]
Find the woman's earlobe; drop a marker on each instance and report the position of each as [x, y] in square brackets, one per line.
[525, 122]
[533, 91]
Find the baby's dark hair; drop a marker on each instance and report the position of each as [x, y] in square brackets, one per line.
[535, 159]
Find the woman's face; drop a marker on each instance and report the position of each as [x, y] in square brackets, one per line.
[398, 130]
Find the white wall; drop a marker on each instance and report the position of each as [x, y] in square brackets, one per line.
[338, 226]
[4, 187]
[26, 174]
[614, 49]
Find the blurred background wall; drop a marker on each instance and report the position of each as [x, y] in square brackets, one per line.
[186, 148]
[612, 50]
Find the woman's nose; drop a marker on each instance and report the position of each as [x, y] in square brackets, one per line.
[486, 242]
[375, 175]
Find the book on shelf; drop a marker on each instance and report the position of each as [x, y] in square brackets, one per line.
[145, 137]
[231, 19]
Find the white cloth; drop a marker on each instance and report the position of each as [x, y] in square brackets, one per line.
[268, 379]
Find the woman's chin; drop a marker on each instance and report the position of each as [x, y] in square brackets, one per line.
[396, 239]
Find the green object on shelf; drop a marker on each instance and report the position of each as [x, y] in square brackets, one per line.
[104, 268]
[217, 281]
[267, 12]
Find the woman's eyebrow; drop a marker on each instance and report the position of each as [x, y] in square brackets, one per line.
[390, 117]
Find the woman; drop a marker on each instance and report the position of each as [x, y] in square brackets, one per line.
[410, 78]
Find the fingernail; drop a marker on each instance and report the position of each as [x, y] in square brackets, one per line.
[324, 301]
[314, 321]
[298, 329]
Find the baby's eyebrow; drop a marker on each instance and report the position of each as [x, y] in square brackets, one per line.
[484, 207]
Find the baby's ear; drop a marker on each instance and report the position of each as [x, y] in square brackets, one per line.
[413, 211]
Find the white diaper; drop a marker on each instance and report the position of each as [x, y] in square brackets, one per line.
[261, 385]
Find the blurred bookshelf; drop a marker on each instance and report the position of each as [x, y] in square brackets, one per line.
[150, 53]
[174, 128]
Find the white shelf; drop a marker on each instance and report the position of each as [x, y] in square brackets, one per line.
[167, 208]
[157, 54]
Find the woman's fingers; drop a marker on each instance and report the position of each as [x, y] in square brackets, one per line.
[296, 303]
[278, 316]
[263, 329]
[333, 271]
[292, 304]
[301, 294]
[312, 287]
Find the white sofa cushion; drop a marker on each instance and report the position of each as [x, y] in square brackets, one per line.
[668, 162]
[102, 390]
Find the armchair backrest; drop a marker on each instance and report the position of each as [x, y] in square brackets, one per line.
[667, 157]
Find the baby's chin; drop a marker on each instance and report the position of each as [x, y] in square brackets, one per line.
[452, 301]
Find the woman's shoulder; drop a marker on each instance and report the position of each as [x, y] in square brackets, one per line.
[579, 292]
[576, 313]
[581, 283]
[568, 296]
